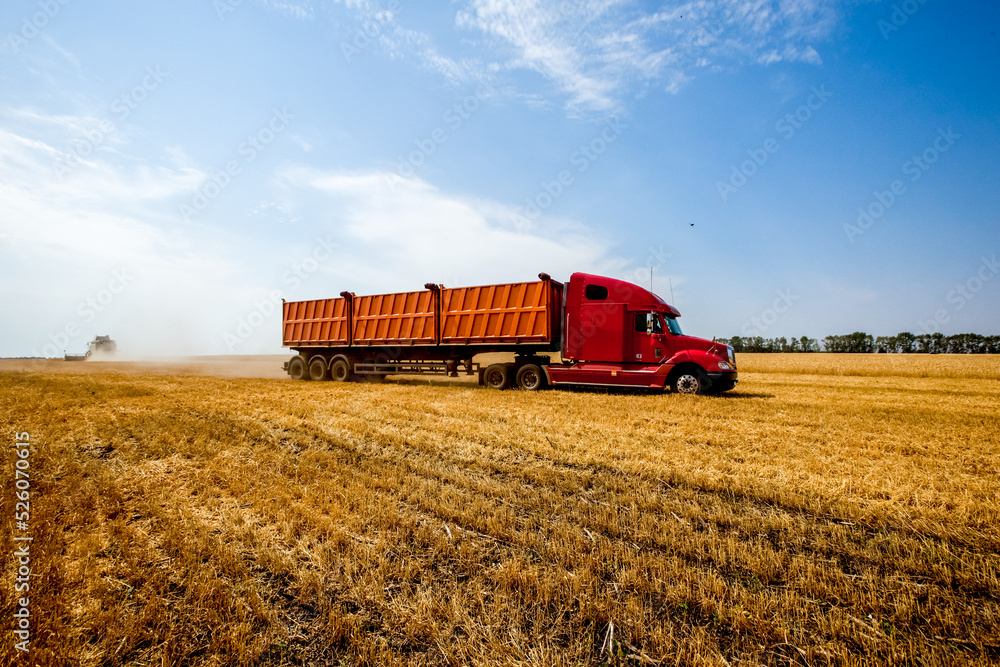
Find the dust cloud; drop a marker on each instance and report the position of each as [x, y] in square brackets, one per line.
[266, 366]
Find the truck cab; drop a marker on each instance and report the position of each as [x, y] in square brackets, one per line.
[619, 334]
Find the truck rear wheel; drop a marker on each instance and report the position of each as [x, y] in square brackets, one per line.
[530, 377]
[689, 381]
[317, 369]
[297, 369]
[340, 370]
[496, 376]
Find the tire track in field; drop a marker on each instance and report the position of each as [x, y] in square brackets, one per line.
[473, 483]
[519, 476]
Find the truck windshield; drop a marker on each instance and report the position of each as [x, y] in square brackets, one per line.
[674, 326]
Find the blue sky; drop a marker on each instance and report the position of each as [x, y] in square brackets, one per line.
[168, 173]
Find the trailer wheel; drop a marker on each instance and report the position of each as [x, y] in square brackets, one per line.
[530, 377]
[317, 369]
[340, 370]
[297, 369]
[689, 382]
[496, 376]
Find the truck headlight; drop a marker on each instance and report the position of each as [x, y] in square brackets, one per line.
[724, 366]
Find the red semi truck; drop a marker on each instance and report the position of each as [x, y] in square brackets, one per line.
[606, 332]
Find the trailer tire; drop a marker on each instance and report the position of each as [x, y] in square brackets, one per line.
[340, 370]
[530, 377]
[318, 369]
[297, 369]
[497, 376]
[689, 381]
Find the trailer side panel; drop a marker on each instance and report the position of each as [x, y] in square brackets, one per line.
[509, 313]
[406, 318]
[316, 322]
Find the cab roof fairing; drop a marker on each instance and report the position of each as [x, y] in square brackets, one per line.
[637, 298]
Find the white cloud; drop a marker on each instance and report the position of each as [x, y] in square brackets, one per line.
[597, 53]
[398, 233]
[304, 11]
[557, 44]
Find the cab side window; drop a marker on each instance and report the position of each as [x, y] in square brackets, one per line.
[648, 323]
[596, 292]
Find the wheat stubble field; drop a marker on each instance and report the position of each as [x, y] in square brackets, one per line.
[830, 510]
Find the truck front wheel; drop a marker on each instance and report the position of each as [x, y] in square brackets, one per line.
[689, 381]
[530, 377]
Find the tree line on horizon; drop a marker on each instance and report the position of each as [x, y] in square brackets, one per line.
[860, 342]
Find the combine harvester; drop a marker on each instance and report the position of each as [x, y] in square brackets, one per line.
[100, 346]
[607, 333]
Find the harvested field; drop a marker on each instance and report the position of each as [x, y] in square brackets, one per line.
[833, 509]
[958, 366]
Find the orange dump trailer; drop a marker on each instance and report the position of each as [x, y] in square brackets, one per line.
[435, 330]
[607, 332]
